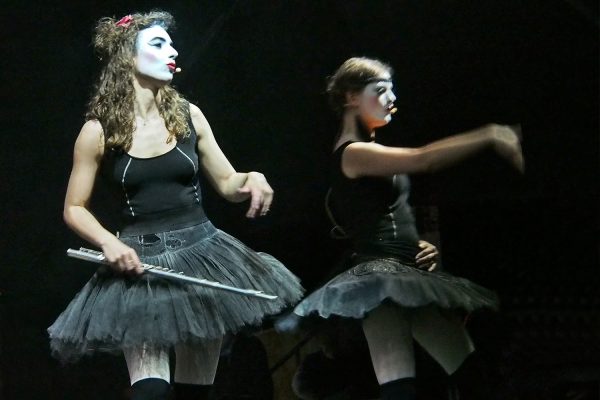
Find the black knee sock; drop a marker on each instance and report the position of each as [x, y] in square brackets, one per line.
[400, 389]
[184, 391]
[471, 379]
[151, 389]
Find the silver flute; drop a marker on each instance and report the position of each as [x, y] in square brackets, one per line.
[99, 258]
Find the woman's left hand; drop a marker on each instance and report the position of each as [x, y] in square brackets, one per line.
[428, 256]
[260, 193]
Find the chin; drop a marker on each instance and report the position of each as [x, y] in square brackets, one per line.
[381, 122]
[371, 122]
[165, 80]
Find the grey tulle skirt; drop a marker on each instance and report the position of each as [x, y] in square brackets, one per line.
[113, 311]
[372, 281]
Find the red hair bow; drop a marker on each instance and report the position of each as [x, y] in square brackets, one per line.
[125, 21]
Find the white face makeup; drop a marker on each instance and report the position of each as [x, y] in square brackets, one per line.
[377, 101]
[155, 55]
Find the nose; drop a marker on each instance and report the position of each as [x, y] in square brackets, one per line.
[392, 96]
[173, 54]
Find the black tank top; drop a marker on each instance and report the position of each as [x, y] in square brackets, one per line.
[156, 194]
[374, 212]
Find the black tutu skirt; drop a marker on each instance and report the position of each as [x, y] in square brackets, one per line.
[372, 281]
[113, 312]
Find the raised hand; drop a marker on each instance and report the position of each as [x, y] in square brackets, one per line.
[260, 193]
[507, 143]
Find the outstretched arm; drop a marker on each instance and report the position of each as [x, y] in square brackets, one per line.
[230, 184]
[371, 159]
[86, 161]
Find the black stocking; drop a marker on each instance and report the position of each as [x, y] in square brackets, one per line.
[151, 389]
[399, 389]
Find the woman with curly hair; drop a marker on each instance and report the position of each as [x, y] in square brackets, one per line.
[392, 284]
[150, 145]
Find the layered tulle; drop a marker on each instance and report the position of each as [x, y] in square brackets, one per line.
[113, 312]
[368, 284]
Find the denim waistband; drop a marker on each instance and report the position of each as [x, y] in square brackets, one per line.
[163, 221]
[153, 244]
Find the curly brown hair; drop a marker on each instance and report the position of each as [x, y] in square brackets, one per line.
[351, 77]
[112, 102]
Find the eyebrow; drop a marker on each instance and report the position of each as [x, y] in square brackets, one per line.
[160, 39]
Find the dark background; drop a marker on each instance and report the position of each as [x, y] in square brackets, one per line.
[257, 70]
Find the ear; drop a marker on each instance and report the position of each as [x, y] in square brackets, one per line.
[352, 99]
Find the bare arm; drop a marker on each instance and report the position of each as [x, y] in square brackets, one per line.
[86, 161]
[230, 184]
[371, 159]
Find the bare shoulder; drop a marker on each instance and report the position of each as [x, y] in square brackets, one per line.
[91, 138]
[364, 148]
[373, 159]
[92, 129]
[199, 120]
[194, 110]
[354, 156]
[196, 113]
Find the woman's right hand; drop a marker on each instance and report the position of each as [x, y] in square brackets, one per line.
[507, 143]
[122, 258]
